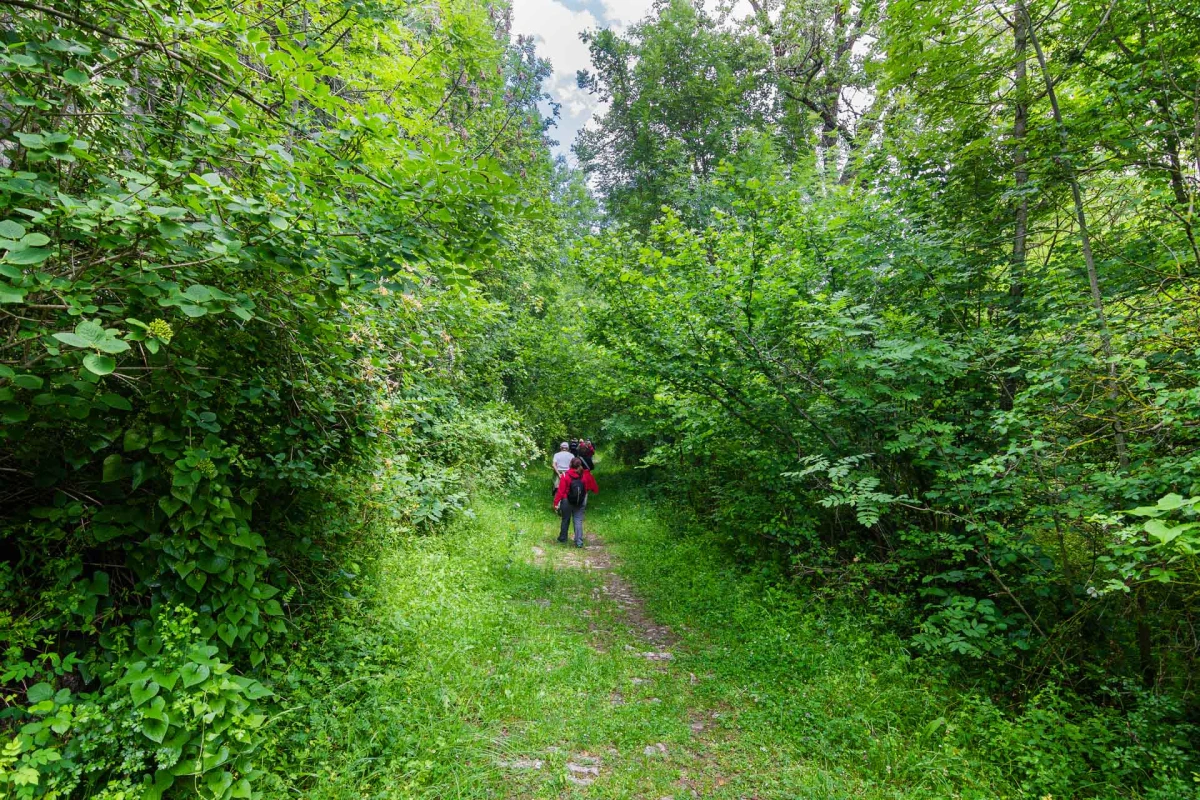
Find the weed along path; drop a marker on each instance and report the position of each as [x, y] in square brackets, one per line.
[495, 662]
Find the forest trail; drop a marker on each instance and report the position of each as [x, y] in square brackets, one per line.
[643, 729]
[498, 663]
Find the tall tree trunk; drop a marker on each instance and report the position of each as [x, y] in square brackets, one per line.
[1085, 240]
[1016, 283]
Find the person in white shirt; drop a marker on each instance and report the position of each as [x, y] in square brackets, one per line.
[562, 462]
[562, 459]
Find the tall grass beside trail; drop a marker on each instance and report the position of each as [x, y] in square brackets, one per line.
[406, 693]
[826, 680]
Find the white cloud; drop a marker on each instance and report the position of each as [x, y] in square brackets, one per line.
[623, 13]
[556, 28]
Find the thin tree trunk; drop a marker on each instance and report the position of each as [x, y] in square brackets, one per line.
[1016, 285]
[1085, 239]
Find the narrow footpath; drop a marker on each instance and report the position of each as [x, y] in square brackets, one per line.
[503, 664]
[617, 712]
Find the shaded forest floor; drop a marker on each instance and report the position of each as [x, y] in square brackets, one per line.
[496, 663]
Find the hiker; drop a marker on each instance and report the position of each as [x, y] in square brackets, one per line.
[571, 499]
[574, 447]
[562, 463]
[587, 452]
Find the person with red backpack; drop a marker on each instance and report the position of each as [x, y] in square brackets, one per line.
[571, 499]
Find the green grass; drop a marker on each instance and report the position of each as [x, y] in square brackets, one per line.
[474, 653]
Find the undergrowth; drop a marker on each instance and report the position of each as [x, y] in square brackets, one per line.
[469, 656]
[827, 678]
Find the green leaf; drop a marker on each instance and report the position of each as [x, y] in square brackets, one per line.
[198, 294]
[100, 365]
[169, 505]
[31, 255]
[116, 401]
[90, 331]
[167, 678]
[155, 729]
[135, 439]
[113, 345]
[11, 230]
[10, 412]
[72, 339]
[35, 240]
[1171, 502]
[142, 690]
[28, 381]
[39, 692]
[1165, 533]
[76, 77]
[9, 294]
[228, 633]
[112, 468]
[193, 673]
[196, 580]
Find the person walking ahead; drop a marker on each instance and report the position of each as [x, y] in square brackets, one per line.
[562, 459]
[571, 499]
[562, 462]
[587, 452]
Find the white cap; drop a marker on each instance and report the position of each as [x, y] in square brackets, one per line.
[564, 446]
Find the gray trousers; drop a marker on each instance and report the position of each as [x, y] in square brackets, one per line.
[570, 512]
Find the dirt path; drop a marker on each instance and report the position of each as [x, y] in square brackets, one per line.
[595, 557]
[661, 740]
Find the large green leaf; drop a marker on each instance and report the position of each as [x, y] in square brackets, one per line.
[30, 255]
[11, 294]
[98, 364]
[141, 691]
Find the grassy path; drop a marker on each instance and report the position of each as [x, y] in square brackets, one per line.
[502, 664]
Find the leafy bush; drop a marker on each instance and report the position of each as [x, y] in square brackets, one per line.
[241, 284]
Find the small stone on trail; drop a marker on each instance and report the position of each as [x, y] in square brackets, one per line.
[654, 749]
[581, 769]
[537, 551]
[523, 763]
[580, 774]
[658, 656]
[638, 681]
[697, 727]
[692, 678]
[654, 700]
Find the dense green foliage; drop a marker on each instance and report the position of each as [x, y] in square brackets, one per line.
[257, 261]
[935, 351]
[900, 298]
